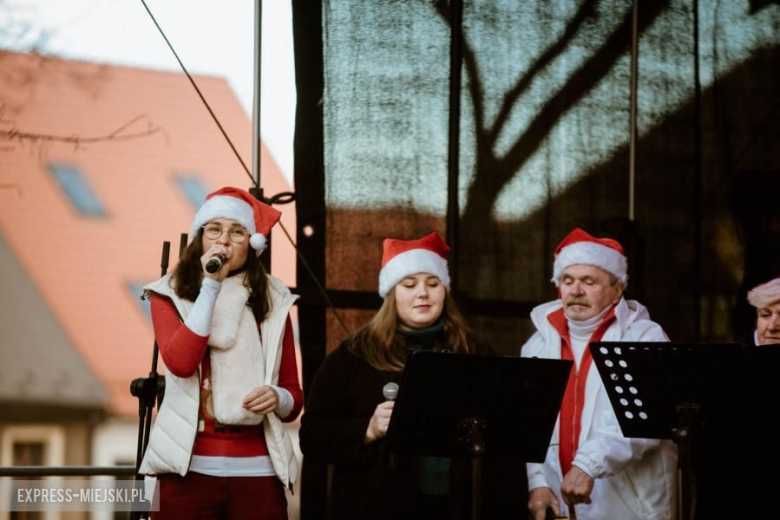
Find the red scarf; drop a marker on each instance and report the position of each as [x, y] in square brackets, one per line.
[574, 397]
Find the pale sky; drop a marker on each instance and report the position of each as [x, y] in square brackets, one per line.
[213, 37]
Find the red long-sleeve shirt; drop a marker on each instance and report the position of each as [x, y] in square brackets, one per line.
[183, 352]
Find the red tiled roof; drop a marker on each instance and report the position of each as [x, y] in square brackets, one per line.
[82, 265]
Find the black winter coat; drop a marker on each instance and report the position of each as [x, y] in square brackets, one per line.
[341, 402]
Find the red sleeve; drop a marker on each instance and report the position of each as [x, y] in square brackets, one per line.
[181, 349]
[288, 372]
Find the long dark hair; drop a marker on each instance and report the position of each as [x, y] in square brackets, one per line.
[380, 344]
[189, 274]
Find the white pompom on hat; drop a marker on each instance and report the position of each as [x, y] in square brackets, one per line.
[582, 248]
[404, 258]
[239, 205]
[765, 294]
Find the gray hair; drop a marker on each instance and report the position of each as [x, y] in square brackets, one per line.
[765, 294]
[613, 279]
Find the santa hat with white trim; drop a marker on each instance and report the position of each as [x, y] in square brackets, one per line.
[765, 294]
[241, 206]
[404, 258]
[582, 248]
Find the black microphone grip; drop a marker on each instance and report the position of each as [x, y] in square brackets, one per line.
[215, 263]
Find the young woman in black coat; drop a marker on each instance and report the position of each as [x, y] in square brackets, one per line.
[346, 416]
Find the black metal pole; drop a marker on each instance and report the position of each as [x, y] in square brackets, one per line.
[182, 245]
[471, 434]
[635, 245]
[633, 109]
[310, 212]
[146, 391]
[453, 157]
[688, 486]
[697, 215]
[67, 471]
[477, 460]
[152, 379]
[257, 190]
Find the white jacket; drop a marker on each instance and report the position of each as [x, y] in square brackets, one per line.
[173, 435]
[634, 478]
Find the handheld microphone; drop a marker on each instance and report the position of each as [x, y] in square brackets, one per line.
[390, 392]
[215, 263]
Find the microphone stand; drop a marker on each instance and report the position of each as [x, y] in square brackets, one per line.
[471, 433]
[148, 390]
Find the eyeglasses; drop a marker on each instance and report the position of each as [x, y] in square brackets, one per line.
[237, 235]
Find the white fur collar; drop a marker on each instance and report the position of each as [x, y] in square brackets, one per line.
[237, 361]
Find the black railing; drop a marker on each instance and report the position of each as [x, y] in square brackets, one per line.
[67, 471]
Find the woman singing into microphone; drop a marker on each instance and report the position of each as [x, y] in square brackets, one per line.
[347, 416]
[218, 447]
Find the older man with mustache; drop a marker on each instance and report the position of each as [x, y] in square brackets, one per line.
[591, 470]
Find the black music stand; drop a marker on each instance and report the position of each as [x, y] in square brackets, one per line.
[677, 391]
[454, 405]
[759, 438]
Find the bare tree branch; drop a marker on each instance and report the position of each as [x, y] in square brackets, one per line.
[120, 134]
[11, 186]
[587, 10]
[493, 173]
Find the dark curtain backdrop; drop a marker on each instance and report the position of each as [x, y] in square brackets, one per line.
[543, 138]
[544, 146]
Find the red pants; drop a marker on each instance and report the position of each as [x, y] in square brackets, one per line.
[198, 496]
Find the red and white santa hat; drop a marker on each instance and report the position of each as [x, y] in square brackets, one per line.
[404, 258]
[241, 206]
[582, 248]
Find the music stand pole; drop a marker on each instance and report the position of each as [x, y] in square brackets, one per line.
[471, 430]
[683, 438]
[146, 390]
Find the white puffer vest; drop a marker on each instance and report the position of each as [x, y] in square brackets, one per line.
[173, 435]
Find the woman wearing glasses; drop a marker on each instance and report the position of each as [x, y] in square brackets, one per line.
[218, 446]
